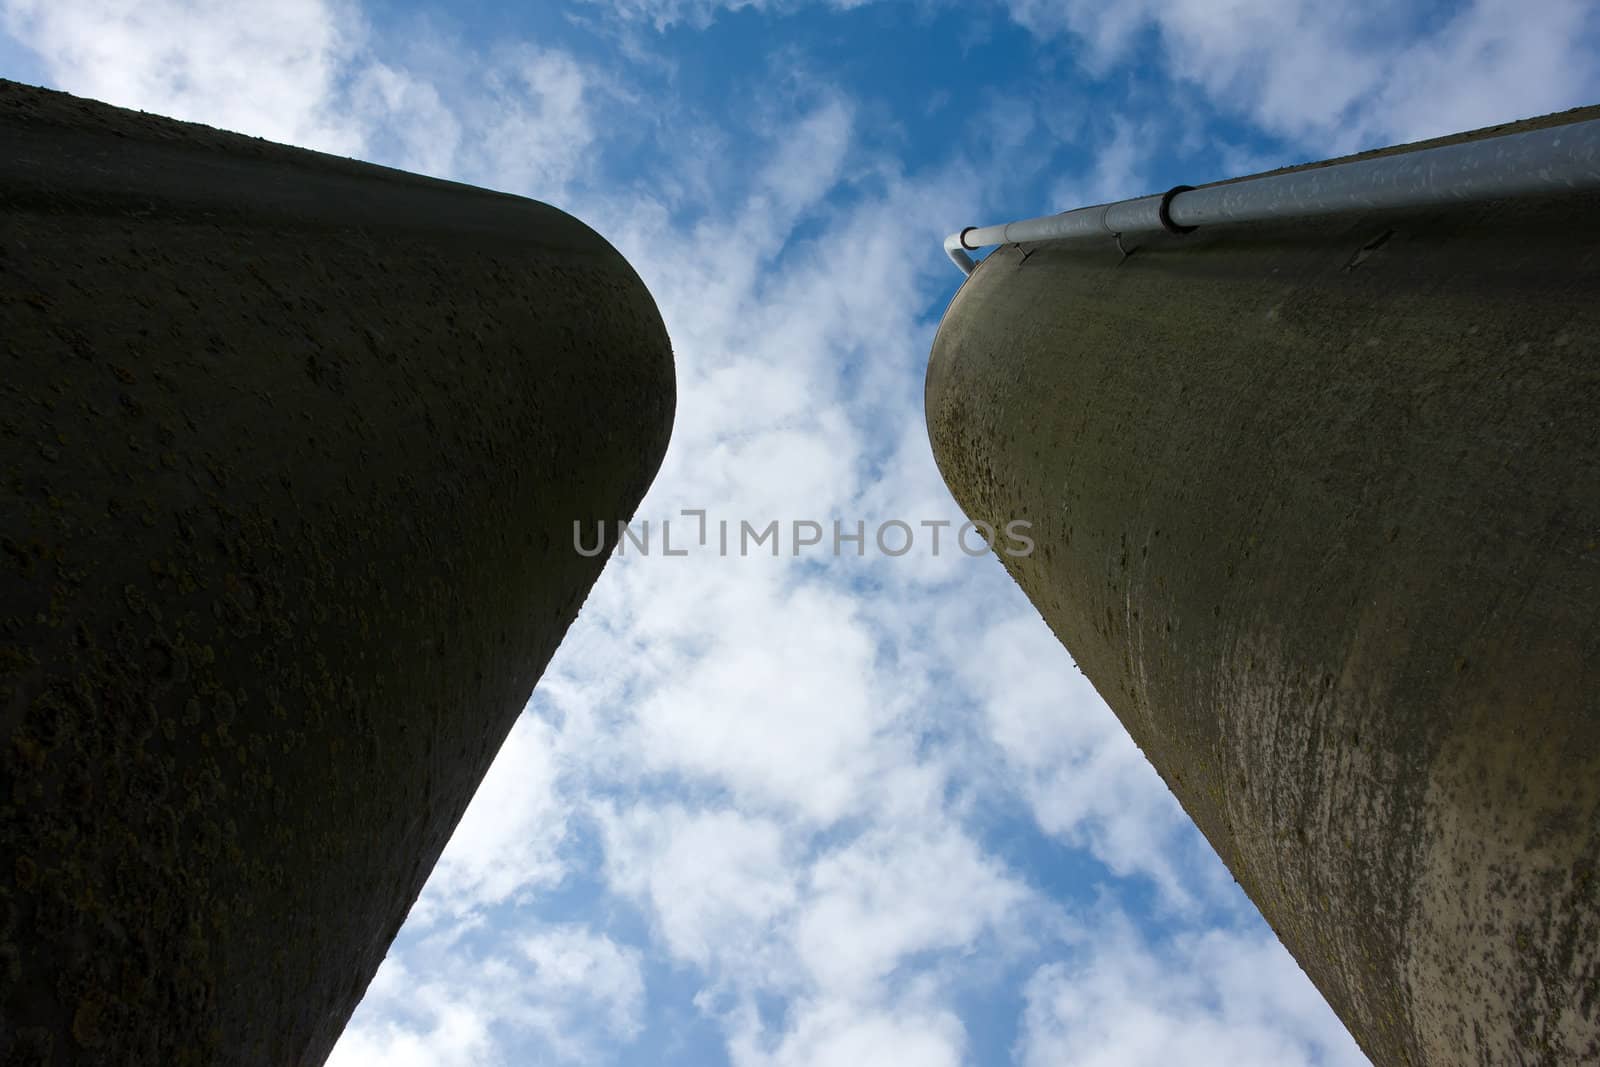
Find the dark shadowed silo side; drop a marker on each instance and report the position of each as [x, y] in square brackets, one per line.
[1317, 507]
[292, 449]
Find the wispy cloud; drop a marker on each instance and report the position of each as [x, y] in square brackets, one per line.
[508, 841]
[560, 992]
[1341, 76]
[1214, 999]
[276, 76]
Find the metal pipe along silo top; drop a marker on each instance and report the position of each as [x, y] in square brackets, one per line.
[1530, 162]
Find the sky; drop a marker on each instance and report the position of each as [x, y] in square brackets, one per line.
[818, 811]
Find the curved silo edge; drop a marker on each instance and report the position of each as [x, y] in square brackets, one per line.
[294, 446]
[1315, 513]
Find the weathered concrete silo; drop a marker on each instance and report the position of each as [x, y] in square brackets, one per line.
[1317, 506]
[292, 449]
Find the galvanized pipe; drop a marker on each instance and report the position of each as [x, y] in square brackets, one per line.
[1550, 160]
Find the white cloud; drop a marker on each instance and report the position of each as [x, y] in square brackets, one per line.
[717, 882]
[268, 68]
[564, 990]
[804, 745]
[1084, 778]
[303, 72]
[572, 965]
[663, 14]
[1495, 61]
[508, 840]
[1119, 150]
[895, 893]
[1342, 77]
[836, 1033]
[1216, 999]
[441, 1027]
[531, 123]
[424, 132]
[762, 911]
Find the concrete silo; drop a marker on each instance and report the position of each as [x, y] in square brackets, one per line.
[1313, 467]
[292, 451]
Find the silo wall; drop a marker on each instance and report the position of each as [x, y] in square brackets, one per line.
[292, 448]
[1317, 510]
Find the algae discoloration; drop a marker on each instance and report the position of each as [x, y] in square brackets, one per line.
[1317, 512]
[292, 447]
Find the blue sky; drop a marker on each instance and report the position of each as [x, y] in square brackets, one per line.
[821, 811]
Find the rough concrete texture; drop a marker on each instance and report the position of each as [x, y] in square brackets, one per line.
[1318, 512]
[292, 449]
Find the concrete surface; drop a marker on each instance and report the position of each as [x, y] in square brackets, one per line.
[292, 448]
[1318, 513]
